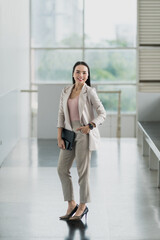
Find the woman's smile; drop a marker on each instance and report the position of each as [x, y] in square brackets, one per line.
[80, 79]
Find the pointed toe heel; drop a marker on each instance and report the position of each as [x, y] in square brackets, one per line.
[67, 216]
[75, 218]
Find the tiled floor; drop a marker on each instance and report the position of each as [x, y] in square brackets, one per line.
[125, 200]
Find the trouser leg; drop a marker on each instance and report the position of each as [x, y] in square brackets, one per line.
[82, 155]
[65, 161]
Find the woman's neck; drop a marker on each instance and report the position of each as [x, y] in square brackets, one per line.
[78, 87]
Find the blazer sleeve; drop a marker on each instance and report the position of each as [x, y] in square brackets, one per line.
[97, 105]
[61, 117]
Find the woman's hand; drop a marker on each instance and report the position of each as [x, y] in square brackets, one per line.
[84, 129]
[61, 143]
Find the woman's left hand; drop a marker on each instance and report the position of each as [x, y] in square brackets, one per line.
[84, 129]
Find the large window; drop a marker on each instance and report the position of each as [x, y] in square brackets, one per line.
[100, 32]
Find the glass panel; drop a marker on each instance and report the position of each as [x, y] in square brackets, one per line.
[110, 100]
[54, 65]
[110, 23]
[112, 65]
[56, 23]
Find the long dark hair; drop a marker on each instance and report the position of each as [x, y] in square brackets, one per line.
[84, 64]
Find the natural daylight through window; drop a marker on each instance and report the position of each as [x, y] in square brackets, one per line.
[100, 32]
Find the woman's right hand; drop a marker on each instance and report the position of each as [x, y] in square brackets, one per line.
[61, 143]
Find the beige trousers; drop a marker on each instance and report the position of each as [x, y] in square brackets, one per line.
[81, 153]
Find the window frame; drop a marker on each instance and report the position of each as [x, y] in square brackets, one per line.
[34, 84]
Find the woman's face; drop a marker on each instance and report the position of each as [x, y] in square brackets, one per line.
[80, 74]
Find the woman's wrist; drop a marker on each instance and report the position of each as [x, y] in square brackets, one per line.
[91, 125]
[94, 125]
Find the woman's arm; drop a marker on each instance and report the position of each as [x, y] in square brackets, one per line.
[60, 140]
[97, 105]
[61, 119]
[60, 123]
[59, 135]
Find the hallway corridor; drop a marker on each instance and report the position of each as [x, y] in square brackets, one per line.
[125, 200]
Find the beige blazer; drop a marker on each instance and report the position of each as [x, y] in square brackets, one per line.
[88, 102]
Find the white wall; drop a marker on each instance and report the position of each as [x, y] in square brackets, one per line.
[48, 103]
[14, 72]
[128, 126]
[148, 106]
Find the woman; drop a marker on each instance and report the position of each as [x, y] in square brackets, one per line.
[77, 103]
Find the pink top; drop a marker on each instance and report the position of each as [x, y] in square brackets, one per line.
[73, 108]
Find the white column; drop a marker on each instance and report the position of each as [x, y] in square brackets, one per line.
[153, 160]
[145, 147]
[139, 137]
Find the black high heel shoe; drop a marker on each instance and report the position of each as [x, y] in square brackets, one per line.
[67, 216]
[81, 216]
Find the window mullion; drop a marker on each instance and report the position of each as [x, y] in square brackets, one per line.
[83, 37]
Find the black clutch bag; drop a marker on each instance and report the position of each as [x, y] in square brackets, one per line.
[68, 137]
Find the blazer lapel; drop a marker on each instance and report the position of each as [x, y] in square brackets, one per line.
[82, 100]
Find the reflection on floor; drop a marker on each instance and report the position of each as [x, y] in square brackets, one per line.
[125, 200]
